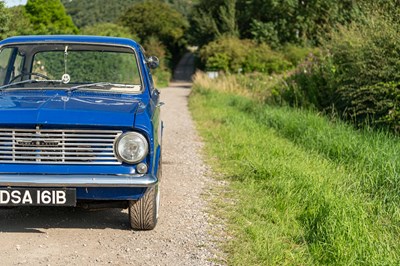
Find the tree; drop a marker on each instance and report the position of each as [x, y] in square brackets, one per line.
[87, 13]
[183, 6]
[49, 17]
[19, 23]
[109, 29]
[155, 19]
[4, 17]
[274, 22]
[211, 20]
[295, 21]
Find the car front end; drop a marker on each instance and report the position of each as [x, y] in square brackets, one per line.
[79, 125]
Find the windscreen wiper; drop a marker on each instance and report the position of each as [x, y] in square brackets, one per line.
[100, 84]
[27, 81]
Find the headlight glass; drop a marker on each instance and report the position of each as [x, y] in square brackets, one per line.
[132, 147]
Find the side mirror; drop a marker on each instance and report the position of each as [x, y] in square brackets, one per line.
[153, 62]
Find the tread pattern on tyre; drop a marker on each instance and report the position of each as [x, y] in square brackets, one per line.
[143, 212]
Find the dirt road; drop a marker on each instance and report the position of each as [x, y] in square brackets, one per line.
[68, 236]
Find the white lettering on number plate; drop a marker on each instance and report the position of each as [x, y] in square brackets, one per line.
[32, 197]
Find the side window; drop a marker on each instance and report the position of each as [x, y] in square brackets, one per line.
[11, 64]
[148, 70]
[18, 65]
[5, 56]
[151, 81]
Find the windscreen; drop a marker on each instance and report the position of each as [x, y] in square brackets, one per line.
[88, 66]
[83, 63]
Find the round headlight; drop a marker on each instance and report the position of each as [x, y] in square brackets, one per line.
[131, 147]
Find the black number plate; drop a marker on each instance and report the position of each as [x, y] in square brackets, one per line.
[37, 197]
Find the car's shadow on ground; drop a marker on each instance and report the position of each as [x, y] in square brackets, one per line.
[35, 219]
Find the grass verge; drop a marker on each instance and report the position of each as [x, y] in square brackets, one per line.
[306, 190]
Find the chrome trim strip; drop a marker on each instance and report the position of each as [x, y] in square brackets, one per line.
[135, 180]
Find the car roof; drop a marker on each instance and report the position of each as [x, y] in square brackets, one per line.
[71, 39]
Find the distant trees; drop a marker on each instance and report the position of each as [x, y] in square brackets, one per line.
[4, 17]
[295, 21]
[211, 19]
[49, 17]
[155, 19]
[19, 22]
[109, 29]
[90, 12]
[271, 21]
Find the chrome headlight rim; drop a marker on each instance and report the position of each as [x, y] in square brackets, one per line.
[126, 134]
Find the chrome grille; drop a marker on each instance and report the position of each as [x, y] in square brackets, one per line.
[47, 146]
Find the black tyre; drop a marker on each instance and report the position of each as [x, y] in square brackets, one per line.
[143, 213]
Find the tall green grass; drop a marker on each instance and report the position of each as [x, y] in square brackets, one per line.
[305, 190]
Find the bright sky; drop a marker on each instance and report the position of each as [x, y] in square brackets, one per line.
[14, 2]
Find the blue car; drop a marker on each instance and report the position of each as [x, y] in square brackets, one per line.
[80, 125]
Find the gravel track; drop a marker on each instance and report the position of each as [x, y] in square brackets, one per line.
[70, 236]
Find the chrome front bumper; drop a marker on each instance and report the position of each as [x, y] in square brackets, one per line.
[35, 180]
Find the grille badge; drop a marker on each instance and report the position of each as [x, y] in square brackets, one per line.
[38, 143]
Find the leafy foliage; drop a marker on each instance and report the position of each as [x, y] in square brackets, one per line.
[182, 6]
[19, 23]
[88, 13]
[233, 55]
[274, 22]
[260, 58]
[378, 104]
[227, 54]
[311, 84]
[211, 20]
[291, 21]
[49, 17]
[357, 75]
[155, 19]
[162, 74]
[4, 18]
[296, 54]
[109, 29]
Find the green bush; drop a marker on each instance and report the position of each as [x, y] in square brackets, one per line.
[260, 58]
[227, 54]
[366, 53]
[357, 75]
[311, 84]
[162, 74]
[296, 54]
[161, 77]
[233, 55]
[367, 59]
[378, 104]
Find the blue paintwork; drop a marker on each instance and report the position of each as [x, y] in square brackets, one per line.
[110, 193]
[71, 39]
[57, 108]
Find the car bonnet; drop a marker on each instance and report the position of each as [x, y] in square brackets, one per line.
[78, 109]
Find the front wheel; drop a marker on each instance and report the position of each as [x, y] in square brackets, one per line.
[143, 213]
